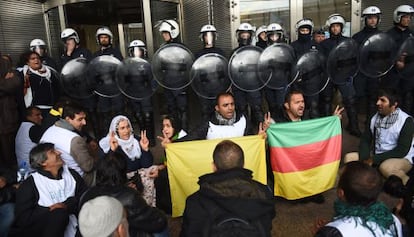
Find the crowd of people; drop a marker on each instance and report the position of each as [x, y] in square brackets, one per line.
[81, 169]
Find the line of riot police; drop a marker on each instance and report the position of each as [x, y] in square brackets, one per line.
[356, 67]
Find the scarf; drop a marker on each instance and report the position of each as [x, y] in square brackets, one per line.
[223, 121]
[130, 146]
[385, 123]
[377, 213]
[43, 73]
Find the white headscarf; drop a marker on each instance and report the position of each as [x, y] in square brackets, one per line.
[131, 146]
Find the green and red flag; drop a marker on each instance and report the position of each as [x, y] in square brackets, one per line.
[305, 156]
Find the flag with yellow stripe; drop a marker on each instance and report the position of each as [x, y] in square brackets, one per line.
[186, 161]
[305, 156]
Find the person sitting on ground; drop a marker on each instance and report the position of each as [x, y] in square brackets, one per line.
[226, 122]
[111, 180]
[8, 188]
[25, 137]
[388, 141]
[357, 210]
[76, 152]
[228, 192]
[171, 128]
[103, 216]
[49, 195]
[135, 150]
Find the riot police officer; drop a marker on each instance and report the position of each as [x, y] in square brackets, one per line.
[275, 97]
[304, 28]
[72, 49]
[39, 46]
[336, 23]
[367, 87]
[176, 99]
[261, 37]
[243, 99]
[107, 107]
[208, 35]
[402, 17]
[142, 109]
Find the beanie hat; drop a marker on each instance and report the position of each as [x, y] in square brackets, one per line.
[100, 216]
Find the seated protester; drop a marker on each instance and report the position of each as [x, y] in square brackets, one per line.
[112, 181]
[103, 216]
[25, 140]
[390, 137]
[7, 199]
[47, 201]
[134, 150]
[357, 210]
[171, 129]
[226, 122]
[75, 150]
[229, 196]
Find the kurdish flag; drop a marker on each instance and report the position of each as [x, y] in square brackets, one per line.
[305, 156]
[186, 161]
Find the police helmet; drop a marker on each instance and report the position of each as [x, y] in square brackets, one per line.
[304, 23]
[335, 19]
[69, 33]
[104, 31]
[371, 11]
[171, 27]
[137, 49]
[401, 11]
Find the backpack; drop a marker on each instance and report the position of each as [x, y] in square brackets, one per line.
[226, 224]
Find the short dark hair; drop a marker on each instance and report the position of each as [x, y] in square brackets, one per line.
[290, 93]
[111, 170]
[26, 55]
[228, 155]
[30, 110]
[391, 94]
[38, 154]
[71, 109]
[223, 94]
[361, 183]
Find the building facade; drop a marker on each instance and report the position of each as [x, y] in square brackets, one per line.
[23, 20]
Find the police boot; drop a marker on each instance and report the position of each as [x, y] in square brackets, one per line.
[149, 127]
[351, 112]
[407, 102]
[184, 120]
[326, 106]
[140, 120]
[257, 114]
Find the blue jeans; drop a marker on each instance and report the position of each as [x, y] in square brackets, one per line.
[164, 233]
[6, 218]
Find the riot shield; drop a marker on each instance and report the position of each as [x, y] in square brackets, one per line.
[342, 62]
[135, 80]
[243, 70]
[171, 66]
[102, 75]
[406, 54]
[276, 66]
[74, 81]
[377, 55]
[310, 68]
[210, 76]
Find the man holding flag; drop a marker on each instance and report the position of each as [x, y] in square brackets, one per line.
[301, 154]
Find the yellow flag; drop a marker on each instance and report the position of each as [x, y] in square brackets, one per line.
[187, 161]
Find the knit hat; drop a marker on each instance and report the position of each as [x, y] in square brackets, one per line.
[100, 216]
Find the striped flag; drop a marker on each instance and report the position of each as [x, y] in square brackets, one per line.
[186, 161]
[305, 156]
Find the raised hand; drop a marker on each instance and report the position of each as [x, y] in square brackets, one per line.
[113, 142]
[164, 139]
[144, 142]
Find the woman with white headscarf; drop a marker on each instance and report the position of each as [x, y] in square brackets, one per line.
[138, 157]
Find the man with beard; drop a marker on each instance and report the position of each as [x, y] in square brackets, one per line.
[387, 142]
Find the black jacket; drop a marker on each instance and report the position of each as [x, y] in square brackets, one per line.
[77, 53]
[8, 192]
[141, 217]
[303, 45]
[327, 45]
[364, 34]
[109, 51]
[227, 191]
